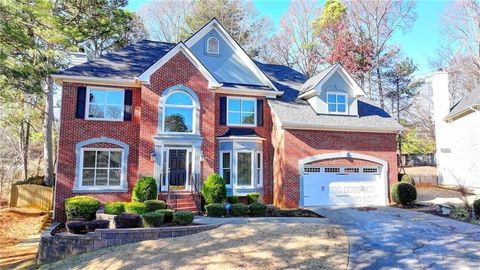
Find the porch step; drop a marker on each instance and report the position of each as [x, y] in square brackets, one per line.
[179, 201]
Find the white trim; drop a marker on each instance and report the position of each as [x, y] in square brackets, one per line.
[189, 151]
[240, 138]
[95, 80]
[145, 76]
[87, 103]
[286, 125]
[234, 45]
[252, 168]
[95, 187]
[230, 152]
[241, 112]
[336, 103]
[208, 46]
[248, 91]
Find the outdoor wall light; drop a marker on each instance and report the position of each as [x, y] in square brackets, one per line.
[153, 156]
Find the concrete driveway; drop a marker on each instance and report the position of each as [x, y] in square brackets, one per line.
[392, 238]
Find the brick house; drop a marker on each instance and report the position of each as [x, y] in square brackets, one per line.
[179, 112]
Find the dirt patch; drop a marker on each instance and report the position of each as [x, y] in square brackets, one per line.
[240, 246]
[421, 170]
[17, 226]
[437, 195]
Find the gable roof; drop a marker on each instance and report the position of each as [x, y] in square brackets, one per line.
[470, 100]
[293, 112]
[125, 63]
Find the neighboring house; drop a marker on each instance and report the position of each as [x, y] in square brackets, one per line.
[457, 135]
[179, 112]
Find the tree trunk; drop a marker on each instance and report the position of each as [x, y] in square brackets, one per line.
[24, 146]
[398, 101]
[380, 88]
[48, 133]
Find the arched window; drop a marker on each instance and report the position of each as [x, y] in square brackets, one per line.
[212, 46]
[179, 113]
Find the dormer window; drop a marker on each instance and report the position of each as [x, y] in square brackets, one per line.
[212, 46]
[337, 103]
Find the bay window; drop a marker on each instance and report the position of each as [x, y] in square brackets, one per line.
[226, 169]
[245, 169]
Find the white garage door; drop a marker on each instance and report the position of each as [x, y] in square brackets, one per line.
[343, 185]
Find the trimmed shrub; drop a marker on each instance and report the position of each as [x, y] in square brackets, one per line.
[77, 227]
[167, 215]
[253, 197]
[183, 218]
[138, 208]
[97, 224]
[233, 199]
[216, 210]
[476, 208]
[154, 205]
[152, 219]
[81, 207]
[114, 208]
[408, 179]
[145, 189]
[257, 209]
[214, 190]
[403, 193]
[127, 221]
[239, 210]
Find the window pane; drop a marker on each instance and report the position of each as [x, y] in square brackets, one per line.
[212, 45]
[332, 108]
[96, 111]
[233, 105]
[114, 97]
[102, 159]
[259, 160]
[114, 177]
[178, 119]
[115, 159]
[226, 176]
[244, 167]
[234, 118]
[101, 177]
[89, 159]
[179, 98]
[331, 99]
[87, 177]
[341, 99]
[114, 111]
[248, 106]
[341, 107]
[248, 118]
[97, 96]
[225, 160]
[259, 176]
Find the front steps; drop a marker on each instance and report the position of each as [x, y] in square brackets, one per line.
[179, 201]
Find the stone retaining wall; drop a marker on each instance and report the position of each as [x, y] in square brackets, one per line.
[61, 245]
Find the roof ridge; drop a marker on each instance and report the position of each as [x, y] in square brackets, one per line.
[156, 41]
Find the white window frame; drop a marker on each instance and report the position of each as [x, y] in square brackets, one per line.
[231, 165]
[259, 170]
[252, 166]
[193, 107]
[87, 103]
[336, 103]
[107, 187]
[254, 112]
[208, 46]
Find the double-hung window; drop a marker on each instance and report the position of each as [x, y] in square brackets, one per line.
[259, 168]
[245, 169]
[101, 168]
[105, 104]
[241, 111]
[226, 169]
[337, 103]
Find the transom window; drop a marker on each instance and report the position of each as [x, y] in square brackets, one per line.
[337, 103]
[178, 113]
[105, 104]
[212, 46]
[241, 111]
[101, 167]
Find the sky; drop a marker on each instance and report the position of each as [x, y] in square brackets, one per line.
[420, 43]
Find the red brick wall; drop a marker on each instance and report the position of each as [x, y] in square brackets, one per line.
[301, 144]
[73, 131]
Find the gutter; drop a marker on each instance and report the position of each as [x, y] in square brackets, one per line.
[473, 108]
[95, 80]
[338, 128]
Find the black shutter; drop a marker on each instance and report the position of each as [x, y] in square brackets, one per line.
[127, 113]
[260, 112]
[223, 110]
[81, 99]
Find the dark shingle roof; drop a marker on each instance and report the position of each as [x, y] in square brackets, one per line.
[311, 83]
[125, 63]
[471, 99]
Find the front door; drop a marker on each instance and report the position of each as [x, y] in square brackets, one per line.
[177, 168]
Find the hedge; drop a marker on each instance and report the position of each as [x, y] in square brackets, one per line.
[154, 205]
[403, 193]
[257, 209]
[168, 215]
[233, 199]
[152, 219]
[182, 218]
[127, 221]
[408, 179]
[216, 210]
[239, 210]
[138, 208]
[253, 197]
[81, 207]
[214, 189]
[476, 208]
[145, 189]
[114, 208]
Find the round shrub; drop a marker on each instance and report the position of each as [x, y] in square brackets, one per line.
[81, 207]
[97, 224]
[476, 207]
[216, 210]
[253, 197]
[239, 210]
[152, 219]
[138, 208]
[167, 215]
[408, 179]
[182, 218]
[127, 221]
[145, 189]
[257, 209]
[214, 190]
[404, 193]
[77, 227]
[233, 199]
[154, 205]
[114, 208]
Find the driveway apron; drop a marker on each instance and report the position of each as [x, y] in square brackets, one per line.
[392, 238]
